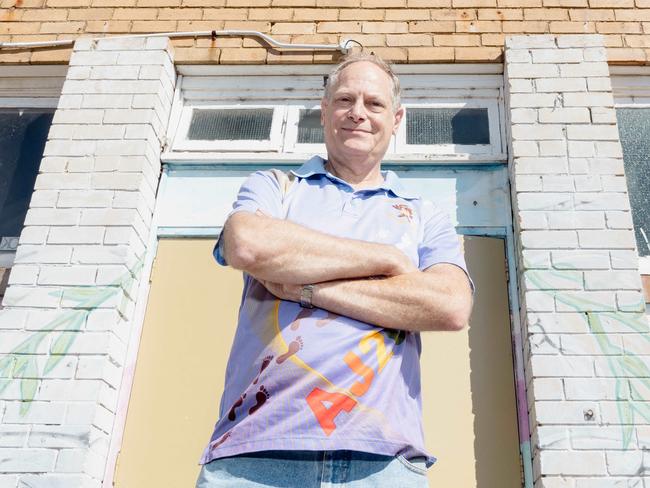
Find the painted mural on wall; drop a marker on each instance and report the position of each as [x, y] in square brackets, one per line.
[627, 369]
[20, 365]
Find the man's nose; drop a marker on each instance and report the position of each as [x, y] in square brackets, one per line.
[357, 110]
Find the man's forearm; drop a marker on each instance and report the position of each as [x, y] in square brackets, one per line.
[414, 301]
[288, 253]
[439, 298]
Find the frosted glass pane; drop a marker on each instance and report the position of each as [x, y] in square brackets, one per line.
[22, 138]
[634, 129]
[467, 126]
[231, 124]
[309, 129]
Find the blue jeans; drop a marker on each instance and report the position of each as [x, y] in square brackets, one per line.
[313, 469]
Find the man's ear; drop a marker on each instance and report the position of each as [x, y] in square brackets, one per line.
[398, 118]
[323, 106]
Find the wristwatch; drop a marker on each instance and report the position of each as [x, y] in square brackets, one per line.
[306, 295]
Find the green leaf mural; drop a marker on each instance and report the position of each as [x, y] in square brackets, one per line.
[21, 363]
[623, 365]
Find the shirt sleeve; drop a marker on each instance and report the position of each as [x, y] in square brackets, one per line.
[440, 243]
[261, 191]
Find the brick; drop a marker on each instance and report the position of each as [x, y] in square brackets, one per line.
[593, 132]
[571, 27]
[230, 14]
[518, 56]
[38, 413]
[557, 55]
[591, 345]
[513, 26]
[493, 39]
[403, 14]
[551, 437]
[579, 259]
[523, 116]
[626, 55]
[557, 239]
[409, 40]
[624, 260]
[108, 26]
[585, 15]
[452, 14]
[558, 183]
[564, 115]
[561, 366]
[615, 239]
[500, 14]
[535, 259]
[544, 201]
[457, 40]
[26, 460]
[518, 85]
[430, 54]
[576, 220]
[537, 131]
[585, 69]
[546, 14]
[383, 3]
[619, 28]
[339, 27]
[619, 220]
[48, 216]
[480, 26]
[596, 437]
[548, 389]
[293, 28]
[76, 235]
[532, 71]
[552, 148]
[477, 54]
[552, 280]
[434, 26]
[384, 27]
[585, 301]
[612, 280]
[473, 3]
[540, 165]
[59, 436]
[532, 220]
[323, 14]
[539, 301]
[33, 235]
[67, 275]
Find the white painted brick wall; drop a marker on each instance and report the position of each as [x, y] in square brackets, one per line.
[586, 335]
[85, 232]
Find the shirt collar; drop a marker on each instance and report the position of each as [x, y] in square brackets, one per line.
[316, 166]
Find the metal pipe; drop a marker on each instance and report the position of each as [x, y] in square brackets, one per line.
[342, 46]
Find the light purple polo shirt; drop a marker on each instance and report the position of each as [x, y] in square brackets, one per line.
[300, 379]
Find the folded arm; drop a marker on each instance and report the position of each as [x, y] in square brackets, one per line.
[439, 298]
[284, 252]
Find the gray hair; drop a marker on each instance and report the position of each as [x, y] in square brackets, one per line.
[333, 78]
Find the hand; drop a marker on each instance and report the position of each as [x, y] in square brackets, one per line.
[281, 291]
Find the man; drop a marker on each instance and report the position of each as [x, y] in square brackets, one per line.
[343, 268]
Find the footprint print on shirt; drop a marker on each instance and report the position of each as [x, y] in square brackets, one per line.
[260, 398]
[221, 440]
[265, 362]
[294, 347]
[232, 414]
[304, 313]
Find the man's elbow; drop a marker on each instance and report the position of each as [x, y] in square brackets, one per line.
[240, 249]
[459, 315]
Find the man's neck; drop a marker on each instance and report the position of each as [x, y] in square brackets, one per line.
[358, 176]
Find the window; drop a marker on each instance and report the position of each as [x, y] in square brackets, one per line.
[28, 97]
[634, 129]
[230, 113]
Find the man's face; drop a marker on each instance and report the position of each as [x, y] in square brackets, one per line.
[358, 119]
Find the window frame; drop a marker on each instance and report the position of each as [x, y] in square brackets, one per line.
[428, 86]
[401, 146]
[274, 143]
